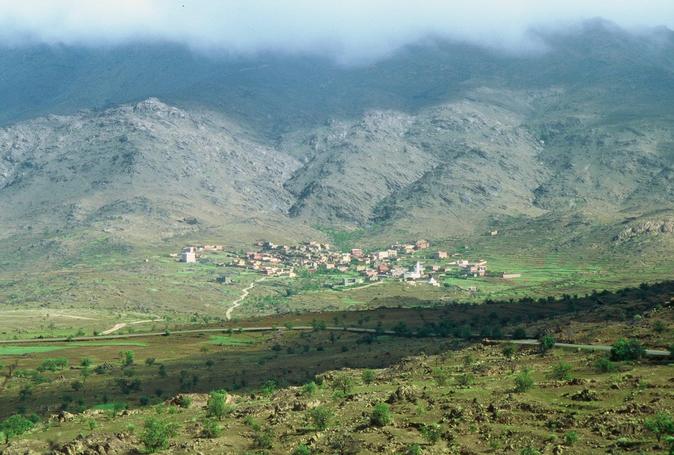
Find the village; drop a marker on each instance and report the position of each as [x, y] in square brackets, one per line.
[414, 263]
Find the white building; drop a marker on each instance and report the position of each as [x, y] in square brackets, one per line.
[416, 273]
[188, 255]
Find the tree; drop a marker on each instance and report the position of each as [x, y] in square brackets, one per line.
[320, 417]
[381, 415]
[127, 358]
[661, 424]
[216, 405]
[546, 343]
[157, 434]
[368, 376]
[624, 349]
[524, 381]
[14, 426]
[343, 383]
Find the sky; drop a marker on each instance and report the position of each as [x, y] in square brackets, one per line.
[343, 29]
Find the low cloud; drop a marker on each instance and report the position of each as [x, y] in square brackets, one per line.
[347, 30]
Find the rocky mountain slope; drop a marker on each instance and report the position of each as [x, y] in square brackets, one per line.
[147, 168]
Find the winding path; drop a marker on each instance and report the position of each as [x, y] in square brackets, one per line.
[239, 301]
[121, 325]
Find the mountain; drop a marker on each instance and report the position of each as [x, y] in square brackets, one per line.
[440, 139]
[141, 170]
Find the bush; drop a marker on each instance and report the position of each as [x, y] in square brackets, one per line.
[604, 365]
[343, 383]
[440, 376]
[546, 343]
[524, 381]
[263, 439]
[414, 449]
[624, 349]
[212, 429]
[661, 424]
[216, 406]
[368, 376]
[464, 380]
[320, 417]
[15, 425]
[570, 438]
[381, 415]
[302, 449]
[509, 350]
[56, 364]
[157, 434]
[127, 358]
[561, 371]
[309, 389]
[431, 433]
[529, 451]
[184, 401]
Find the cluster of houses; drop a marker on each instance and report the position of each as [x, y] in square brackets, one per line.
[395, 262]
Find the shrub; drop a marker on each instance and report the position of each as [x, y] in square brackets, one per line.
[302, 449]
[509, 350]
[216, 406]
[546, 343]
[14, 426]
[624, 349]
[263, 439]
[56, 364]
[85, 362]
[524, 381]
[320, 417]
[368, 376]
[465, 380]
[127, 358]
[661, 424]
[157, 434]
[659, 326]
[184, 401]
[381, 415]
[309, 389]
[570, 438]
[561, 371]
[343, 383]
[529, 451]
[440, 376]
[269, 387]
[431, 433]
[414, 449]
[604, 365]
[150, 361]
[212, 429]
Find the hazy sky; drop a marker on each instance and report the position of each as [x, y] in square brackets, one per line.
[345, 29]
